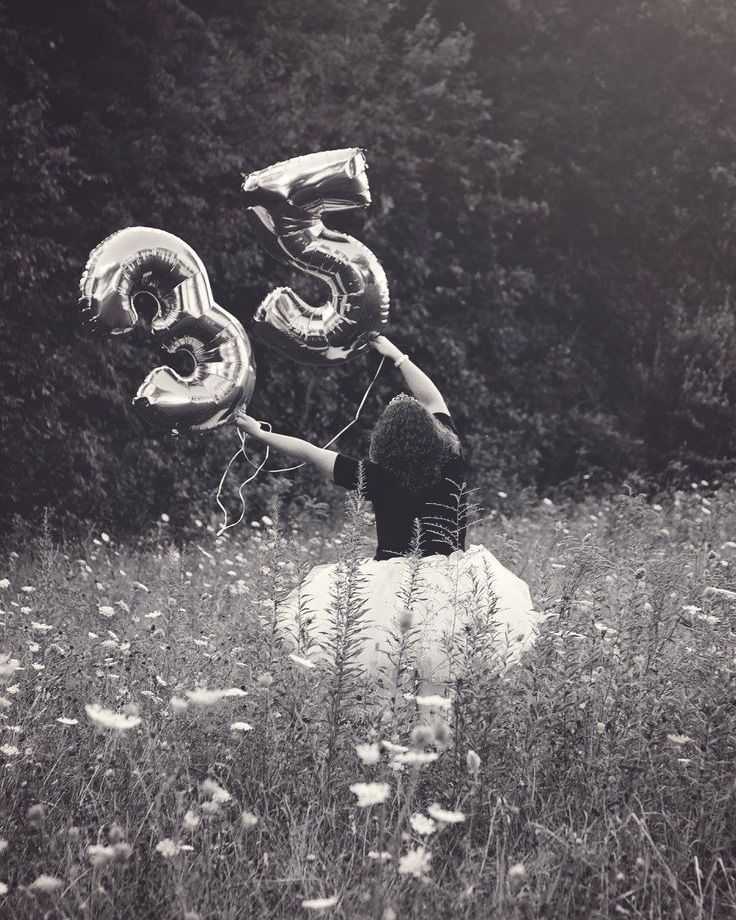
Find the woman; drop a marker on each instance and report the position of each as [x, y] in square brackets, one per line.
[424, 598]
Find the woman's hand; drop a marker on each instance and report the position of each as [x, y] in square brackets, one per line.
[385, 347]
[246, 423]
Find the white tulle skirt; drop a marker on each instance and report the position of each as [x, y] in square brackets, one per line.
[440, 614]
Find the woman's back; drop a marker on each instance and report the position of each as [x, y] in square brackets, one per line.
[440, 510]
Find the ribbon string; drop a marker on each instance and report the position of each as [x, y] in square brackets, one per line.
[286, 469]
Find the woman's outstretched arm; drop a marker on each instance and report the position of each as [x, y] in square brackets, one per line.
[323, 460]
[418, 382]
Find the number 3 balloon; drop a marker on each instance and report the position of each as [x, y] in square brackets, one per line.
[286, 203]
[144, 260]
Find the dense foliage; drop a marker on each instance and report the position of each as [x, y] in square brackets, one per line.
[553, 202]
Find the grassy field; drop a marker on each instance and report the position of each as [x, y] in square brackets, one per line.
[595, 779]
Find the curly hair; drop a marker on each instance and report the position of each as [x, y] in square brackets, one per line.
[410, 443]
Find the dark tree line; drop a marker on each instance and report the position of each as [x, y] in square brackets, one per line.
[554, 203]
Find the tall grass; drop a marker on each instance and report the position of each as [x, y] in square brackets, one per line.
[594, 779]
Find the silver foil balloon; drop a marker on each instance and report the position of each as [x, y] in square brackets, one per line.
[143, 260]
[286, 203]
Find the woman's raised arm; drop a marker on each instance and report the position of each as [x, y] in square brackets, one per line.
[319, 457]
[418, 382]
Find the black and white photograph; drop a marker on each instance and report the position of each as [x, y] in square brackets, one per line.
[368, 456]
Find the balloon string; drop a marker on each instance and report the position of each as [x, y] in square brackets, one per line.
[240, 450]
[289, 469]
[286, 469]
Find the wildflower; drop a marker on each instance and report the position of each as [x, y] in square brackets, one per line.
[319, 903]
[28, 589]
[369, 754]
[35, 813]
[600, 728]
[190, 820]
[473, 761]
[518, 870]
[434, 702]
[46, 884]
[177, 703]
[214, 791]
[100, 855]
[422, 825]
[303, 662]
[383, 856]
[106, 718]
[139, 586]
[416, 758]
[210, 808]
[248, 820]
[4, 583]
[8, 666]
[370, 793]
[106, 611]
[240, 727]
[204, 697]
[104, 537]
[446, 817]
[10, 750]
[3, 845]
[165, 518]
[3, 889]
[167, 847]
[153, 615]
[267, 520]
[265, 680]
[394, 748]
[502, 494]
[415, 862]
[679, 739]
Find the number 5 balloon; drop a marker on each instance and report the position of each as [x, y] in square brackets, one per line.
[286, 203]
[144, 260]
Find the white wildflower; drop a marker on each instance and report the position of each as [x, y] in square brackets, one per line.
[473, 761]
[100, 855]
[303, 662]
[178, 704]
[191, 820]
[446, 817]
[422, 825]
[10, 750]
[167, 847]
[28, 589]
[165, 518]
[369, 754]
[214, 791]
[46, 884]
[63, 720]
[8, 666]
[106, 718]
[267, 520]
[394, 748]
[679, 739]
[319, 903]
[416, 758]
[370, 793]
[204, 697]
[106, 611]
[383, 856]
[416, 862]
[434, 702]
[248, 820]
[4, 583]
[240, 727]
[153, 615]
[3, 889]
[518, 870]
